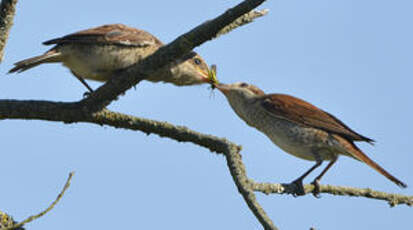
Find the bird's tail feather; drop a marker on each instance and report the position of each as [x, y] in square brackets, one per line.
[355, 152]
[50, 56]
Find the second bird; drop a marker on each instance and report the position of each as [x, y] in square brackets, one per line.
[99, 52]
[298, 128]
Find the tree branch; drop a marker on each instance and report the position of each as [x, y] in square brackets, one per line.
[7, 221]
[44, 212]
[70, 112]
[7, 12]
[163, 129]
[239, 175]
[92, 110]
[230, 20]
[243, 20]
[182, 45]
[182, 134]
[392, 199]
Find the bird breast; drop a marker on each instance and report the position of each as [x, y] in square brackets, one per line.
[295, 139]
[99, 62]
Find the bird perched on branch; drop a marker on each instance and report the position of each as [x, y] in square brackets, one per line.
[98, 53]
[299, 128]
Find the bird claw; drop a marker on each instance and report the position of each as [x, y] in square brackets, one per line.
[316, 190]
[299, 191]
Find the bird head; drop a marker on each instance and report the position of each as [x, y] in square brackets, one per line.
[190, 70]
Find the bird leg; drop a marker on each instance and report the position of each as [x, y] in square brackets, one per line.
[316, 182]
[299, 181]
[84, 83]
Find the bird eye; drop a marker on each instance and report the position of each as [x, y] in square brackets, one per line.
[243, 85]
[197, 61]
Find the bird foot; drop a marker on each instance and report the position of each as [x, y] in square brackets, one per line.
[316, 190]
[299, 191]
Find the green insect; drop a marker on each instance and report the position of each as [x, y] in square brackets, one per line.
[212, 75]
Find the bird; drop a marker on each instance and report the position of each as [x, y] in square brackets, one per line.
[300, 129]
[99, 53]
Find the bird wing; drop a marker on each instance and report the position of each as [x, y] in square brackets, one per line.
[114, 34]
[303, 113]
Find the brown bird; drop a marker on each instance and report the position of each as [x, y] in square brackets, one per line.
[98, 53]
[299, 128]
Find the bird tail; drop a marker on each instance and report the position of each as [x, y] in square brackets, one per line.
[355, 152]
[50, 56]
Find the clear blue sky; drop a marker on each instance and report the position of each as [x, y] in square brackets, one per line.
[351, 58]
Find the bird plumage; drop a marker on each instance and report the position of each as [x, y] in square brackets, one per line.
[100, 52]
[298, 127]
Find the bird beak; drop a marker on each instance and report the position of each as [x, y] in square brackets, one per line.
[222, 87]
[204, 76]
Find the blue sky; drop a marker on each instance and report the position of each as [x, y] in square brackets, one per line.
[350, 58]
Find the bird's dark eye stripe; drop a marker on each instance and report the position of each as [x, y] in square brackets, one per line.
[244, 84]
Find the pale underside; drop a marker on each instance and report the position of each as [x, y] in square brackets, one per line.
[303, 142]
[100, 62]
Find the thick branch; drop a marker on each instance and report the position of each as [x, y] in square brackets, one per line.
[239, 175]
[17, 110]
[392, 199]
[40, 110]
[182, 45]
[73, 111]
[7, 12]
[183, 134]
[231, 150]
[215, 144]
[83, 111]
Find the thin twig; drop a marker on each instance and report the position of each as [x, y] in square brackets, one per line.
[48, 209]
[7, 12]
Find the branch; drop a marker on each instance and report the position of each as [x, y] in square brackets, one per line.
[219, 145]
[183, 134]
[48, 209]
[231, 151]
[392, 199]
[182, 45]
[7, 221]
[103, 96]
[69, 112]
[243, 20]
[7, 12]
[91, 109]
[239, 175]
[39, 110]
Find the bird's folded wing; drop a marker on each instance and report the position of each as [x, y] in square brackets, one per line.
[303, 113]
[115, 34]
